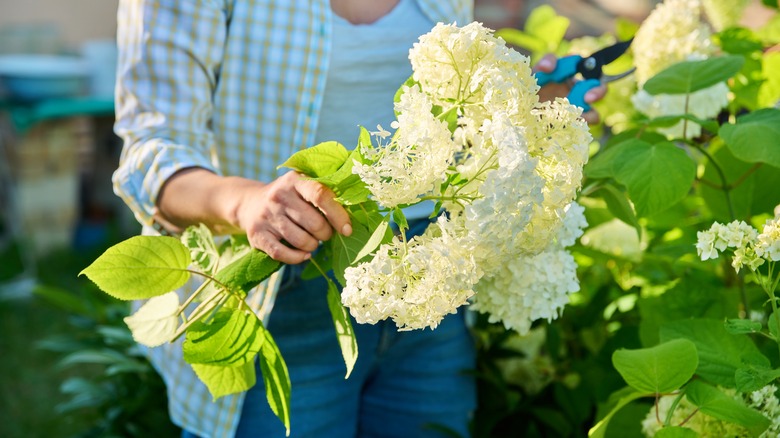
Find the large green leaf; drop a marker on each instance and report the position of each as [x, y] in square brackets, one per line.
[618, 400]
[754, 377]
[754, 138]
[660, 369]
[676, 432]
[347, 248]
[619, 205]
[689, 76]
[657, 176]
[203, 251]
[344, 332]
[141, 267]
[756, 192]
[543, 32]
[720, 353]
[247, 271]
[276, 380]
[769, 92]
[223, 380]
[715, 403]
[319, 160]
[232, 337]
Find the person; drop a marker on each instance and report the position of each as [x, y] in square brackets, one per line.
[212, 95]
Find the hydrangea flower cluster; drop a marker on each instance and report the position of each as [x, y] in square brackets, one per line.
[764, 401]
[507, 176]
[750, 248]
[672, 33]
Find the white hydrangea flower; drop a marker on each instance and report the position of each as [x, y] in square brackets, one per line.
[515, 168]
[724, 13]
[415, 283]
[673, 32]
[155, 322]
[527, 289]
[413, 163]
[736, 235]
[765, 401]
[768, 242]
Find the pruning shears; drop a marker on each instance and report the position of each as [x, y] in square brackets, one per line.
[589, 67]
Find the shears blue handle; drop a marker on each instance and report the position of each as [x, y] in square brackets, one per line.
[565, 69]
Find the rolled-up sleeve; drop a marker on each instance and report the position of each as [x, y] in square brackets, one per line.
[170, 52]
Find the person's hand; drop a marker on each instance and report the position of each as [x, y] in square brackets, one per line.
[553, 90]
[288, 218]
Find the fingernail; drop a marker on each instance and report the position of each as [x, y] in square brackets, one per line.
[590, 96]
[307, 256]
[346, 230]
[545, 64]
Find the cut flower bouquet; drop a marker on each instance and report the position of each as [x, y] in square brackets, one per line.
[502, 168]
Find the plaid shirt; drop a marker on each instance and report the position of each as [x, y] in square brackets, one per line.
[233, 86]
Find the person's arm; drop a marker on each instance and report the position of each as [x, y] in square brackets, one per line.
[166, 79]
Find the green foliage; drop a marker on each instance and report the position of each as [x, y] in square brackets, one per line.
[715, 403]
[660, 369]
[276, 379]
[343, 325]
[753, 138]
[690, 76]
[232, 337]
[319, 160]
[141, 267]
[543, 33]
[224, 380]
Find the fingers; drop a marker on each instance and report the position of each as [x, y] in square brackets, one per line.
[546, 64]
[324, 200]
[593, 95]
[289, 218]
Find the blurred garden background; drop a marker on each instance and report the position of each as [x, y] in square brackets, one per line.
[68, 366]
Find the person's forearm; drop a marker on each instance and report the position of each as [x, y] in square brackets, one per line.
[197, 195]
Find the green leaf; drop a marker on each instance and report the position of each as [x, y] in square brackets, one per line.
[754, 137]
[141, 267]
[543, 32]
[319, 160]
[689, 76]
[769, 91]
[619, 399]
[676, 432]
[602, 164]
[276, 380]
[660, 369]
[770, 3]
[376, 239]
[751, 377]
[720, 353]
[667, 121]
[344, 332]
[248, 271]
[199, 240]
[232, 337]
[400, 219]
[619, 206]
[222, 380]
[738, 40]
[755, 194]
[657, 176]
[741, 326]
[772, 324]
[346, 249]
[715, 403]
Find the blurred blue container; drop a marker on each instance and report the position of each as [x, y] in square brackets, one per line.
[29, 77]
